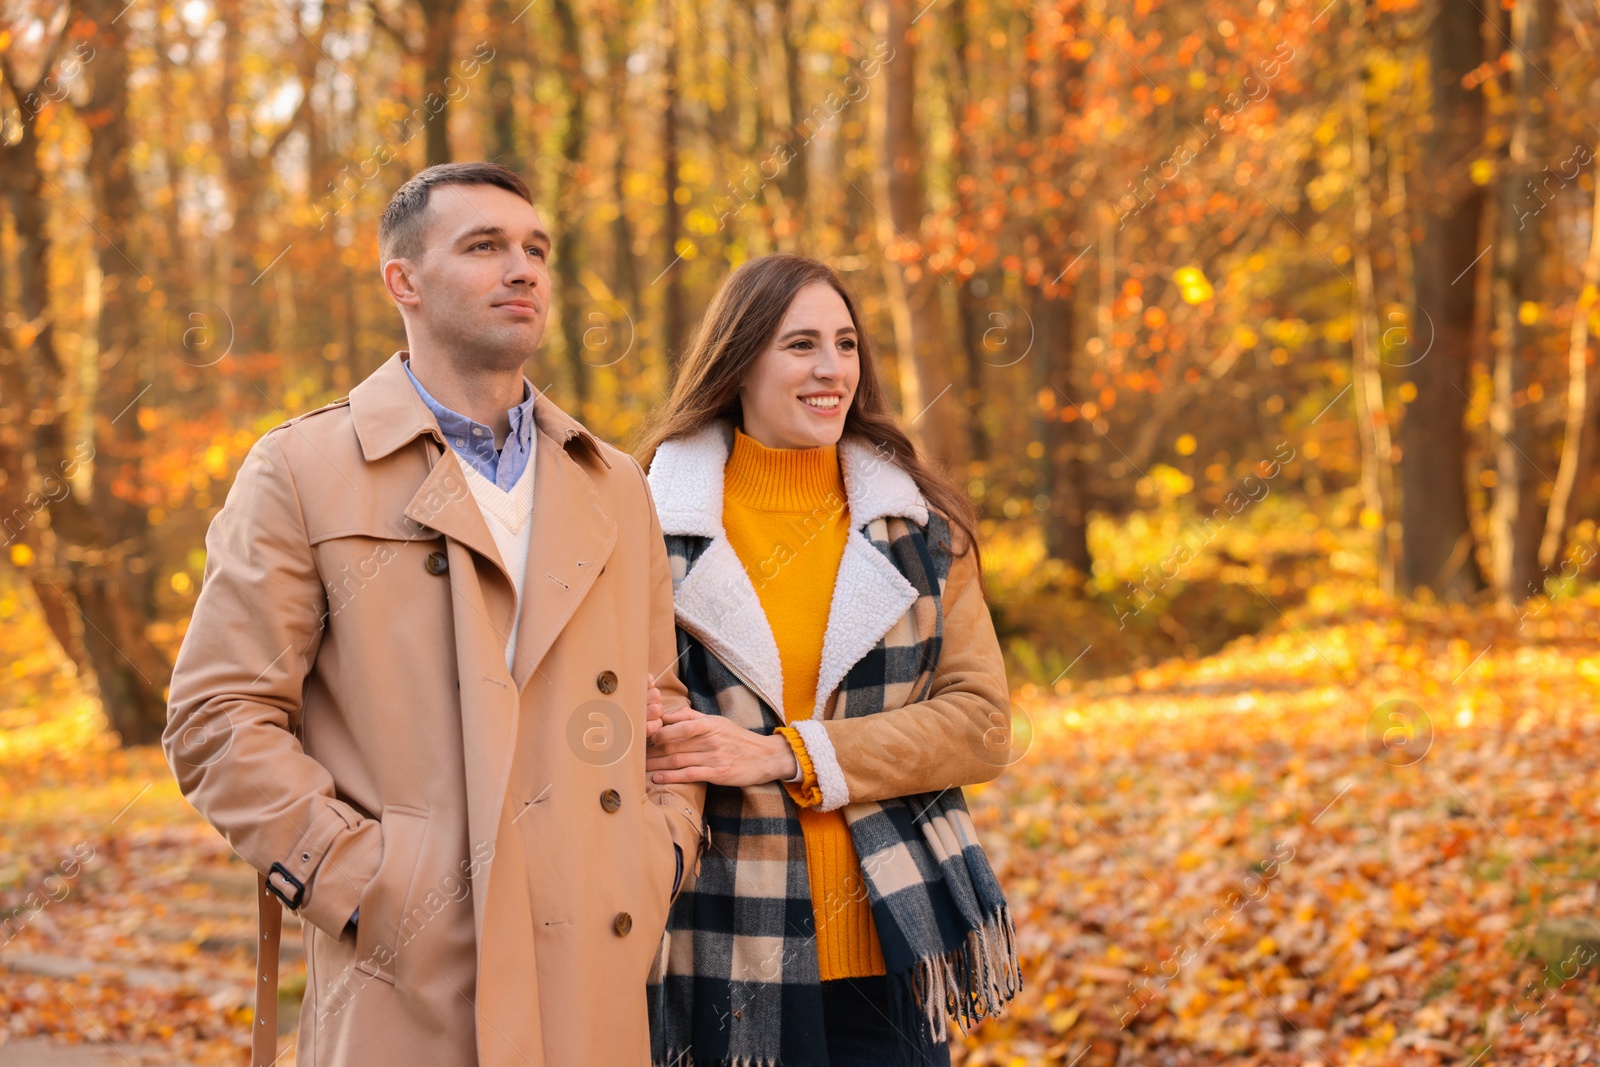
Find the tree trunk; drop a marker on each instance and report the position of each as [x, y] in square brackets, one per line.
[972, 293]
[112, 577]
[922, 353]
[1062, 475]
[672, 213]
[625, 273]
[1577, 445]
[794, 182]
[502, 91]
[1372, 420]
[438, 53]
[569, 199]
[1059, 305]
[38, 475]
[1515, 518]
[1436, 533]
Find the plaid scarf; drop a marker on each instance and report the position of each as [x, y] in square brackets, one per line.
[739, 984]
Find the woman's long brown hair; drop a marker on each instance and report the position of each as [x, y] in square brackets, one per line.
[743, 318]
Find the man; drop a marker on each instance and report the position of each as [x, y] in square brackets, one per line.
[413, 693]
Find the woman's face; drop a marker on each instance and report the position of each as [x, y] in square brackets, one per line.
[796, 393]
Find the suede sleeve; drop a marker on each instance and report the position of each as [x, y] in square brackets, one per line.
[959, 736]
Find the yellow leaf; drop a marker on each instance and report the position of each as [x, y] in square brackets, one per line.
[21, 555]
[1482, 171]
[1529, 312]
[1062, 1021]
[1185, 445]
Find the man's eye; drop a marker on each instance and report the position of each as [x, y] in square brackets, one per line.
[481, 244]
[540, 252]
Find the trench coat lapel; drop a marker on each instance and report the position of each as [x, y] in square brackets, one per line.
[444, 503]
[571, 539]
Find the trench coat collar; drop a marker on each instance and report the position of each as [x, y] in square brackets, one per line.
[571, 536]
[389, 414]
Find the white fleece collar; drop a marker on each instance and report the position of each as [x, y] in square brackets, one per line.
[686, 480]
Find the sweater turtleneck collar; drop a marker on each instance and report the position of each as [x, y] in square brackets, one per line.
[782, 479]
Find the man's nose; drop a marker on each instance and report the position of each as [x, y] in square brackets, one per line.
[522, 270]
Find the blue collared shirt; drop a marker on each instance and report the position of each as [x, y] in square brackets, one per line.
[474, 442]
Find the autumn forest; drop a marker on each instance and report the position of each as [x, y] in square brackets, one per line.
[1261, 334]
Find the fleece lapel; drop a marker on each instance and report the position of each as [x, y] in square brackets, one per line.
[869, 594]
[717, 603]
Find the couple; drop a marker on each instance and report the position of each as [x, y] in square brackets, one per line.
[552, 781]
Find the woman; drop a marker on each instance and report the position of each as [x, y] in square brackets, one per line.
[845, 681]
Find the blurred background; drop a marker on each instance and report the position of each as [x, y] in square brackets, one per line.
[1260, 334]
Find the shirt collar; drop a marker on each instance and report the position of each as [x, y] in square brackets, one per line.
[458, 426]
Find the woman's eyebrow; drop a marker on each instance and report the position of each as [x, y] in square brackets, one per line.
[809, 332]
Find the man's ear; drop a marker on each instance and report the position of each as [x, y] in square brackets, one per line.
[397, 278]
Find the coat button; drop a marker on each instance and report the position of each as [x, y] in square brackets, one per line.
[622, 923]
[611, 800]
[436, 563]
[607, 681]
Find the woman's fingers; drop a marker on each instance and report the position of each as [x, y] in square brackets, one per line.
[682, 736]
[674, 761]
[688, 774]
[678, 728]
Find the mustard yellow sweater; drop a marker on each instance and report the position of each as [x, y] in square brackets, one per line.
[784, 512]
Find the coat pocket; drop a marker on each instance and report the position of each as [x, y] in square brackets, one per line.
[380, 930]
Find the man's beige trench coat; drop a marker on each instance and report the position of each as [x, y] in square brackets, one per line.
[342, 712]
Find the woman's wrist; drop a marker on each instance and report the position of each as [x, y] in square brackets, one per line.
[784, 764]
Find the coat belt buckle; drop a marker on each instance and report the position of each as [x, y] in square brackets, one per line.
[299, 886]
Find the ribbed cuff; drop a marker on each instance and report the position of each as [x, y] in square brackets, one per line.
[804, 790]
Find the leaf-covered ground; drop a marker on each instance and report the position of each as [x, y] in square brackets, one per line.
[1329, 843]
[124, 918]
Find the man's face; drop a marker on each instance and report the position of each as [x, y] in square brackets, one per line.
[480, 290]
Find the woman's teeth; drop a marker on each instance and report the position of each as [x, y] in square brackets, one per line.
[821, 401]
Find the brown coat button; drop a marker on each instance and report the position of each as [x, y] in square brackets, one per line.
[437, 563]
[607, 681]
[622, 923]
[611, 800]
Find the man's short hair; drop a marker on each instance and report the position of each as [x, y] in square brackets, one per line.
[400, 229]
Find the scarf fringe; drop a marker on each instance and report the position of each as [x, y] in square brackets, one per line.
[685, 1058]
[971, 982]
